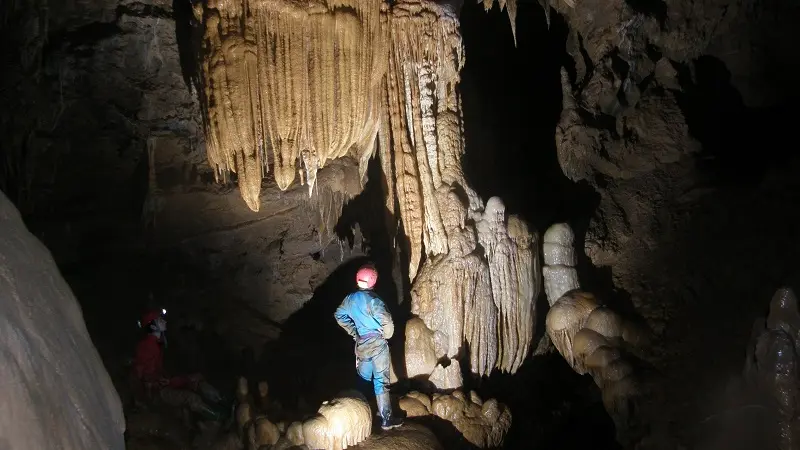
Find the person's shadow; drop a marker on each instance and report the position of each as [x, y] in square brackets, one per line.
[314, 358]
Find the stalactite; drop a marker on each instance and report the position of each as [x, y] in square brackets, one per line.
[425, 58]
[337, 184]
[511, 9]
[291, 87]
[287, 84]
[482, 296]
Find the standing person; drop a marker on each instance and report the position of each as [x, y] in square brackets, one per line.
[363, 316]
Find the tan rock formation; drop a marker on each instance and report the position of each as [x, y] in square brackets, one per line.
[339, 423]
[485, 300]
[293, 86]
[288, 85]
[591, 337]
[483, 424]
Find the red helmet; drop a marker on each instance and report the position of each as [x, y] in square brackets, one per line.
[152, 315]
[366, 277]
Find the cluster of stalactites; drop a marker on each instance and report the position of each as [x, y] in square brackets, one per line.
[421, 139]
[482, 293]
[462, 294]
[291, 86]
[511, 9]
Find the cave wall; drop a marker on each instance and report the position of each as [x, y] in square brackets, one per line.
[674, 113]
[56, 392]
[95, 98]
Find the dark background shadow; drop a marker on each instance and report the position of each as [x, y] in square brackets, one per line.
[512, 103]
[314, 360]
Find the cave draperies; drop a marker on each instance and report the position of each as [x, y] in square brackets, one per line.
[289, 87]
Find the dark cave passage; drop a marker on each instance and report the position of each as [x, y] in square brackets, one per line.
[730, 131]
[511, 101]
[733, 245]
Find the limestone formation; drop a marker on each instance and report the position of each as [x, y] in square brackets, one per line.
[773, 365]
[483, 424]
[295, 433]
[244, 416]
[266, 432]
[339, 423]
[511, 9]
[410, 436]
[263, 395]
[288, 86]
[243, 391]
[413, 407]
[420, 353]
[559, 271]
[591, 337]
[472, 284]
[446, 378]
[595, 340]
[253, 428]
[56, 392]
[566, 318]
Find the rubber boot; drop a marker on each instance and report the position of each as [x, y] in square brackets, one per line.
[210, 393]
[208, 413]
[385, 411]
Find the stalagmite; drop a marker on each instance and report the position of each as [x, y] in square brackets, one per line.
[783, 313]
[419, 349]
[471, 283]
[340, 423]
[773, 363]
[413, 407]
[446, 378]
[243, 391]
[288, 84]
[244, 415]
[508, 245]
[267, 433]
[591, 337]
[566, 318]
[559, 271]
[483, 424]
[263, 392]
[295, 433]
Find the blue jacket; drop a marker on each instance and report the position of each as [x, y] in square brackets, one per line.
[363, 314]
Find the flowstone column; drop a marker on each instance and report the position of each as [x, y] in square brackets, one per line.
[474, 269]
[289, 87]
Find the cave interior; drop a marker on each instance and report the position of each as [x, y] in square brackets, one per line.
[658, 131]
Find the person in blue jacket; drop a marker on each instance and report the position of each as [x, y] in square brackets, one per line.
[364, 316]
